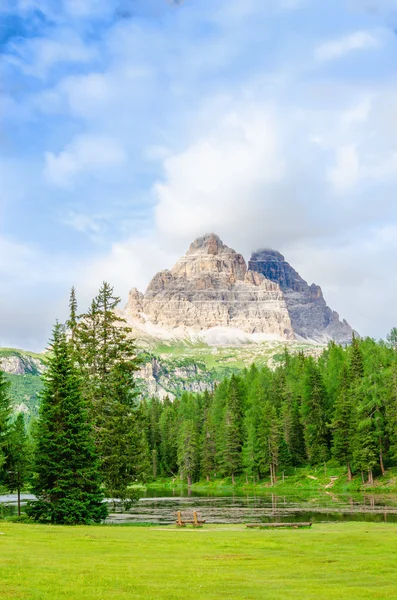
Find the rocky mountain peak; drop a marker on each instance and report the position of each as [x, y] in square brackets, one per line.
[209, 255]
[210, 293]
[209, 244]
[273, 266]
[310, 316]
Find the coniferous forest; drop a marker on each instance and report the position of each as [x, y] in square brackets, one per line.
[96, 437]
[340, 406]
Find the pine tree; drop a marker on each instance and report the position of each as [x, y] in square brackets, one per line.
[292, 427]
[18, 461]
[168, 440]
[107, 359]
[208, 447]
[313, 411]
[356, 360]
[231, 444]
[342, 425]
[391, 410]
[5, 418]
[370, 433]
[67, 479]
[188, 457]
[271, 439]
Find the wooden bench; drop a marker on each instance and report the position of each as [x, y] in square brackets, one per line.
[267, 525]
[192, 517]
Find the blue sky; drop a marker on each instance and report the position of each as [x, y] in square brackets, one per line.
[127, 128]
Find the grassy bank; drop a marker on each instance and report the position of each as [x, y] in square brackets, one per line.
[294, 481]
[338, 562]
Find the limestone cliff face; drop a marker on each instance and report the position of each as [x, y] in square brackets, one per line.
[310, 316]
[17, 363]
[208, 289]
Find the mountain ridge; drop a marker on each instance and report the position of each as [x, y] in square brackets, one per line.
[211, 294]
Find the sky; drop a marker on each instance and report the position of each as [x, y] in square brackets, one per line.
[130, 127]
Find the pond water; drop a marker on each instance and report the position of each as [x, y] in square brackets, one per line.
[158, 506]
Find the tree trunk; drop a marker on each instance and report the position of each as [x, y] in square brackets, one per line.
[370, 476]
[382, 467]
[349, 472]
[19, 502]
[208, 478]
[274, 473]
[189, 480]
[233, 481]
[362, 477]
[246, 478]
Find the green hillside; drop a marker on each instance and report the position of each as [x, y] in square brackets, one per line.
[166, 368]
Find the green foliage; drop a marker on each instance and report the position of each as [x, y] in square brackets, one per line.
[106, 357]
[343, 405]
[5, 416]
[18, 457]
[187, 451]
[67, 479]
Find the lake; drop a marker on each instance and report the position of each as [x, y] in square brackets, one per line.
[158, 506]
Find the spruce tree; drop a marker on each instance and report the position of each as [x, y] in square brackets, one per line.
[356, 360]
[343, 425]
[5, 418]
[231, 445]
[106, 356]
[208, 447]
[18, 460]
[188, 456]
[391, 410]
[313, 411]
[67, 480]
[271, 436]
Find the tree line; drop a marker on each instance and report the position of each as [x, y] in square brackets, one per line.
[341, 406]
[96, 437]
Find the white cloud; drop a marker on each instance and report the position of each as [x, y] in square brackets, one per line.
[86, 154]
[346, 173]
[219, 176]
[334, 49]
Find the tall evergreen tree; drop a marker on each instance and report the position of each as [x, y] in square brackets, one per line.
[67, 479]
[231, 444]
[107, 359]
[5, 418]
[343, 425]
[208, 447]
[188, 456]
[356, 360]
[18, 460]
[313, 412]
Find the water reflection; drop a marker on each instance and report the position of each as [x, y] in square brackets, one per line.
[158, 506]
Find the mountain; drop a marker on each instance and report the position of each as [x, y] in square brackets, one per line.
[23, 370]
[310, 316]
[210, 316]
[212, 296]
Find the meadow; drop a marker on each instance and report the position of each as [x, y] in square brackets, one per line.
[328, 561]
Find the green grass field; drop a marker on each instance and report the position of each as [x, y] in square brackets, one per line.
[343, 561]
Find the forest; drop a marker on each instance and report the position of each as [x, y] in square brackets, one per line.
[96, 437]
[341, 407]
